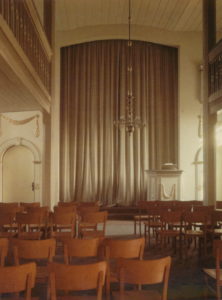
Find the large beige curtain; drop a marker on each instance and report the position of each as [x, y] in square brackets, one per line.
[99, 161]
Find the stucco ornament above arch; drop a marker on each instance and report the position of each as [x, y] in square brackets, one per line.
[19, 141]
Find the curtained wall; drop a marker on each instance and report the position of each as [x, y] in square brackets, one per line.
[99, 161]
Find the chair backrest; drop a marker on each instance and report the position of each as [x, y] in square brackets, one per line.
[16, 279]
[216, 217]
[95, 217]
[171, 217]
[144, 272]
[30, 218]
[126, 248]
[3, 250]
[43, 211]
[29, 204]
[81, 210]
[63, 218]
[217, 248]
[9, 204]
[196, 216]
[33, 249]
[64, 209]
[6, 219]
[155, 213]
[11, 209]
[38, 209]
[80, 248]
[217, 252]
[77, 277]
[200, 208]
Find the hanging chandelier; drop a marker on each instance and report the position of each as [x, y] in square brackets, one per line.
[130, 122]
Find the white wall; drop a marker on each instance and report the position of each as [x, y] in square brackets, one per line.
[190, 58]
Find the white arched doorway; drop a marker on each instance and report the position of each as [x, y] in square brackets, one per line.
[36, 167]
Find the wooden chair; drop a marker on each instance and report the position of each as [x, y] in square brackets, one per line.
[152, 224]
[139, 272]
[62, 225]
[142, 216]
[76, 278]
[17, 279]
[195, 230]
[3, 250]
[171, 230]
[43, 211]
[215, 275]
[39, 251]
[93, 224]
[30, 225]
[8, 227]
[120, 248]
[216, 229]
[80, 248]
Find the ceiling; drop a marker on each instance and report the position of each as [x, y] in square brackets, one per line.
[172, 15]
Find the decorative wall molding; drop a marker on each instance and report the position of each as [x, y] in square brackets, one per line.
[21, 122]
[18, 141]
[169, 196]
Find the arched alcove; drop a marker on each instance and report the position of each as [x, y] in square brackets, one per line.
[37, 164]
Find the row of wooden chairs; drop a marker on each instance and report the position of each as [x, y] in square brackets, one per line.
[68, 278]
[38, 222]
[63, 276]
[172, 205]
[180, 226]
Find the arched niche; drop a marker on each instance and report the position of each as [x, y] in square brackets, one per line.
[37, 164]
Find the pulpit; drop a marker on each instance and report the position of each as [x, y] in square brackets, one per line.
[164, 184]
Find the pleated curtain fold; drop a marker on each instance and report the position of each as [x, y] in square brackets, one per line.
[99, 161]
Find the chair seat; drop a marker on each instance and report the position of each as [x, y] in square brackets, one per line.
[141, 295]
[194, 233]
[217, 231]
[142, 217]
[212, 272]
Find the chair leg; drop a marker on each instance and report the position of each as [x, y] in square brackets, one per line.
[135, 227]
[206, 287]
[218, 291]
